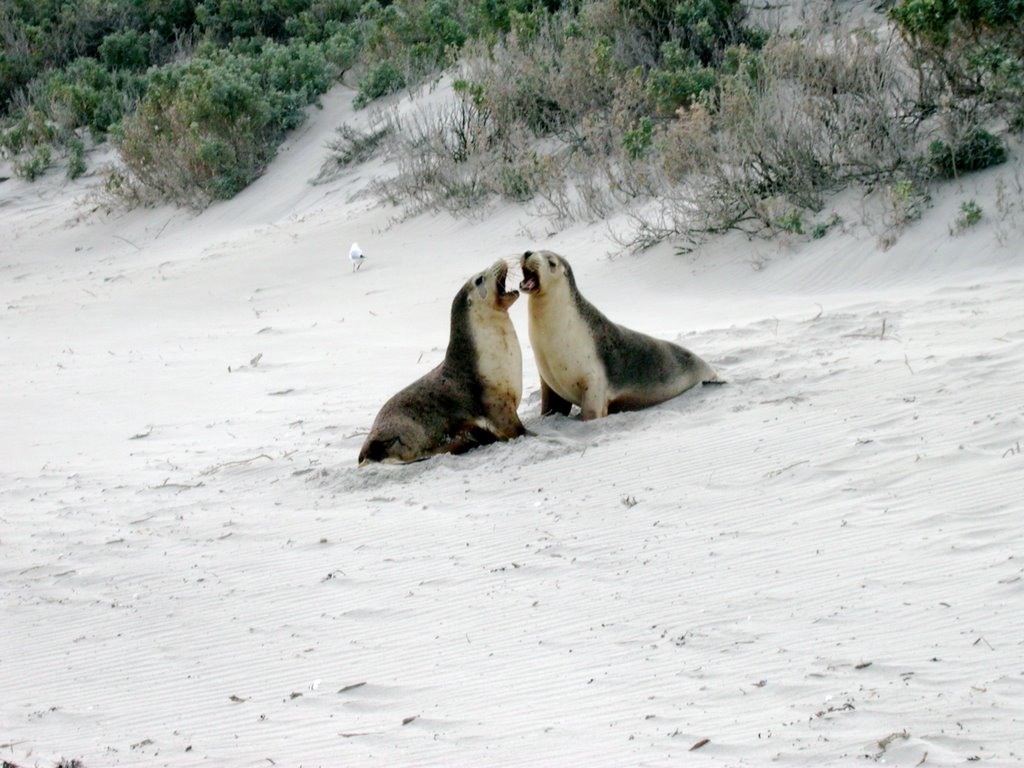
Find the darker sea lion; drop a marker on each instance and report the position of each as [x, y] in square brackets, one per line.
[471, 398]
[587, 360]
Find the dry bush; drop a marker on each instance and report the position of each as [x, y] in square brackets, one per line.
[795, 123]
[351, 147]
[557, 114]
[439, 159]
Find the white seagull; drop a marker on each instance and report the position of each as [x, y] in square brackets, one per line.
[355, 253]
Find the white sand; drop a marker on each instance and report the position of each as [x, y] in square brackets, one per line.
[824, 554]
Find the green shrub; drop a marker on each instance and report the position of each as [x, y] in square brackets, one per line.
[382, 80]
[129, 49]
[225, 20]
[76, 157]
[205, 130]
[638, 140]
[299, 69]
[671, 89]
[970, 214]
[704, 29]
[978, 150]
[27, 129]
[792, 221]
[822, 228]
[35, 165]
[85, 94]
[975, 48]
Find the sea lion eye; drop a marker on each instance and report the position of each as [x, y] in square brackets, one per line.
[481, 287]
[551, 263]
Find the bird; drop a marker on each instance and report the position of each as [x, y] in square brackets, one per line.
[355, 253]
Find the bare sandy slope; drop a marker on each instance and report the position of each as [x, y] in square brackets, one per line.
[821, 563]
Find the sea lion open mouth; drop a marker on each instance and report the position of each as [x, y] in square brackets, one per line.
[505, 297]
[531, 281]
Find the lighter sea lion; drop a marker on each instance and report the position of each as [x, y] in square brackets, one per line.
[587, 360]
[471, 398]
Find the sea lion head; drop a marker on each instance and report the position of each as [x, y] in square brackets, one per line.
[543, 271]
[487, 288]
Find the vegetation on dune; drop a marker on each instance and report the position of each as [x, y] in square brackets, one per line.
[696, 122]
[679, 110]
[198, 95]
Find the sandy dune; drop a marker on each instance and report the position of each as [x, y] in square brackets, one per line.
[821, 563]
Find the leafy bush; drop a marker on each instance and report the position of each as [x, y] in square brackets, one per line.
[76, 158]
[85, 94]
[970, 214]
[129, 49]
[224, 20]
[32, 167]
[792, 221]
[28, 129]
[975, 49]
[205, 130]
[679, 86]
[977, 150]
[382, 80]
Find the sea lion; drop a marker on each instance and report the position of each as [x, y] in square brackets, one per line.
[587, 360]
[471, 398]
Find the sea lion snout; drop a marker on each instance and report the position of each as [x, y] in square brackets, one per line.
[504, 298]
[531, 275]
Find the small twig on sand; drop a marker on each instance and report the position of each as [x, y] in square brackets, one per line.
[179, 486]
[981, 639]
[140, 435]
[907, 361]
[777, 472]
[163, 228]
[884, 743]
[239, 462]
[882, 336]
[921, 761]
[133, 245]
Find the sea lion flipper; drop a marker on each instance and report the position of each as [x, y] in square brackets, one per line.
[552, 402]
[471, 435]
